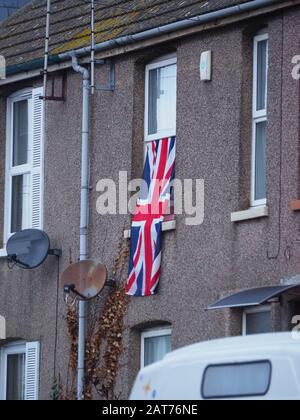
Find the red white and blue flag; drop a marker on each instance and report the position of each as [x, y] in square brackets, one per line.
[152, 207]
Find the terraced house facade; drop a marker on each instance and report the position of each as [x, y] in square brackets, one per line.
[236, 116]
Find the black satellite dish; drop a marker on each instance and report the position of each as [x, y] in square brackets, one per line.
[29, 248]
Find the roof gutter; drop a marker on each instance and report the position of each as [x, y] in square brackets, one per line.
[172, 27]
[145, 35]
[37, 64]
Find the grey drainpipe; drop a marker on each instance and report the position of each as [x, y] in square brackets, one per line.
[183, 24]
[84, 210]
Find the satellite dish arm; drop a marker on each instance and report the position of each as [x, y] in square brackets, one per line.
[71, 288]
[55, 252]
[14, 259]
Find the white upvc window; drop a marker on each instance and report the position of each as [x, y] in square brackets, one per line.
[257, 320]
[161, 98]
[24, 162]
[155, 344]
[259, 124]
[19, 371]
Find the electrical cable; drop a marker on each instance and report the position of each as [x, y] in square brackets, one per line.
[56, 318]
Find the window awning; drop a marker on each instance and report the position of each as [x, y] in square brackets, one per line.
[2, 328]
[254, 297]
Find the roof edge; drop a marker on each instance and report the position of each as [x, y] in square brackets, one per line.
[146, 35]
[172, 27]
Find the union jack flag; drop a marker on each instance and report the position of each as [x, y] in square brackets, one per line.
[151, 209]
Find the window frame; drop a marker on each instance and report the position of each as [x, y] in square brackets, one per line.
[23, 170]
[257, 116]
[15, 348]
[152, 333]
[254, 310]
[163, 62]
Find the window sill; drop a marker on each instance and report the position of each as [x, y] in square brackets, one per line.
[3, 253]
[166, 227]
[250, 214]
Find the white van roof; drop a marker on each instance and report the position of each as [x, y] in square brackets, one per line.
[240, 345]
[179, 376]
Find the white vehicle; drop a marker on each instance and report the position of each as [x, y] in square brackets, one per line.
[260, 367]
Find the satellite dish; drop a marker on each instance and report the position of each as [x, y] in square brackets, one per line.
[28, 249]
[85, 279]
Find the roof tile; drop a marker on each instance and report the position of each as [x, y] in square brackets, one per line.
[22, 35]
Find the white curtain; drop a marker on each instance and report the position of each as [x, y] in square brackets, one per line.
[156, 348]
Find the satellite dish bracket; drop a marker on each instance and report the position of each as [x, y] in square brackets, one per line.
[110, 283]
[55, 252]
[14, 259]
[71, 288]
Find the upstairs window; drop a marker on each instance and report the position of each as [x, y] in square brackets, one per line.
[259, 143]
[161, 94]
[24, 162]
[19, 169]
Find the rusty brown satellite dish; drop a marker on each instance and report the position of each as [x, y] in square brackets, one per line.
[85, 279]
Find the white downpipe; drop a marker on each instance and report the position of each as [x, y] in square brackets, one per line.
[84, 211]
[92, 47]
[45, 79]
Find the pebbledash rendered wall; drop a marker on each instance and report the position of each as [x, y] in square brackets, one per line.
[200, 263]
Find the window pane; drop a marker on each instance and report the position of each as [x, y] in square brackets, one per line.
[15, 385]
[156, 348]
[20, 133]
[260, 161]
[17, 204]
[262, 69]
[153, 97]
[162, 100]
[244, 380]
[259, 323]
